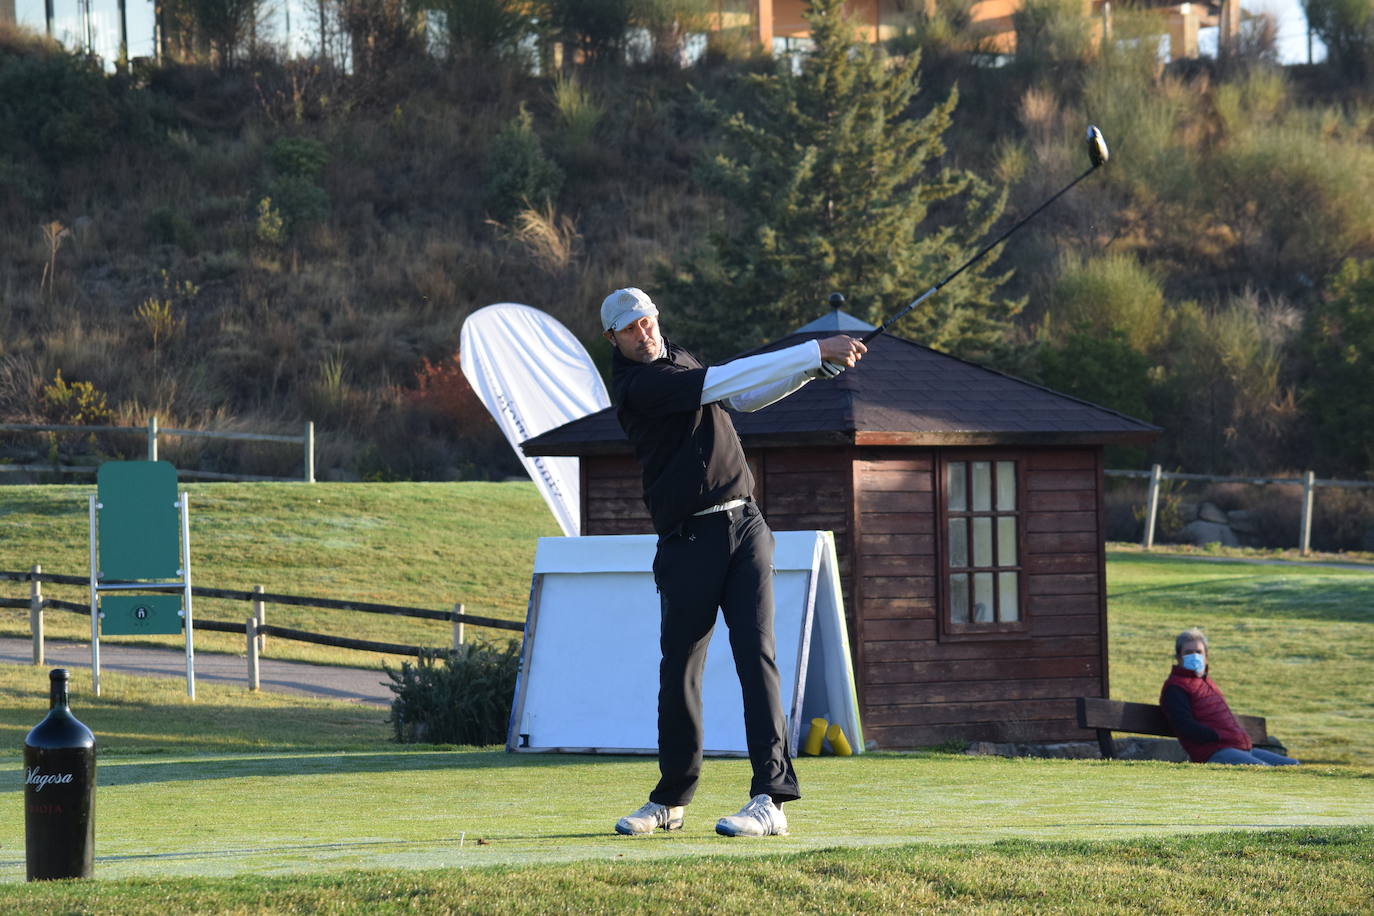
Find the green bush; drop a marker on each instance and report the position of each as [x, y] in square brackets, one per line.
[57, 103]
[1346, 27]
[466, 699]
[167, 226]
[299, 200]
[518, 172]
[1049, 31]
[298, 157]
[1109, 294]
[1338, 340]
[476, 28]
[597, 26]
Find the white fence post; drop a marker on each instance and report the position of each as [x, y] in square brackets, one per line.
[36, 612]
[152, 437]
[1309, 488]
[260, 617]
[251, 629]
[310, 451]
[457, 627]
[1152, 507]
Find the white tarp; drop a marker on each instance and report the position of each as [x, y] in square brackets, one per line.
[533, 375]
[589, 669]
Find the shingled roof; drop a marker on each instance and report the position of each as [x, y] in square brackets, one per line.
[901, 393]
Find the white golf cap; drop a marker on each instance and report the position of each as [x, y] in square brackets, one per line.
[626, 306]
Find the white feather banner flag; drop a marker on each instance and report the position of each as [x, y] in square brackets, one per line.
[533, 375]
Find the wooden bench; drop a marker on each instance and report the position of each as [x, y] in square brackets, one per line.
[1107, 716]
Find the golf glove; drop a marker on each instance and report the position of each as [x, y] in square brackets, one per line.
[826, 370]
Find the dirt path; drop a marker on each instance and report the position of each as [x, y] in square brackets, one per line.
[330, 682]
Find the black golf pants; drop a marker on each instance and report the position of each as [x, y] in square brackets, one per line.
[723, 560]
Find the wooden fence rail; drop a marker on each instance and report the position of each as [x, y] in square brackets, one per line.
[255, 627]
[1308, 481]
[307, 440]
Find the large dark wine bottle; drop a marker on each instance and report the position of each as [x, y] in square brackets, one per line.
[59, 792]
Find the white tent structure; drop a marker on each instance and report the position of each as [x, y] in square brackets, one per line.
[589, 669]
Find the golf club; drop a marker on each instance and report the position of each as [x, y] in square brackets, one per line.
[1097, 154]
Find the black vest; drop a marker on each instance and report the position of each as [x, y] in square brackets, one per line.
[690, 453]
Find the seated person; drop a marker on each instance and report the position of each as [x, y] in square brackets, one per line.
[1198, 712]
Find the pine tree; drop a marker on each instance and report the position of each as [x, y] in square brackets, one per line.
[831, 180]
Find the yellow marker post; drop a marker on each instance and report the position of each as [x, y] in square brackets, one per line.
[811, 747]
[838, 742]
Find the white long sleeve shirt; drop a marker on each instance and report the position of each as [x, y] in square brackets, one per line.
[753, 382]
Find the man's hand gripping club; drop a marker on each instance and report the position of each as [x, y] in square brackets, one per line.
[839, 353]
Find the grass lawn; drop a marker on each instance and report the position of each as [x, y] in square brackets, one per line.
[167, 824]
[1298, 871]
[247, 804]
[1292, 643]
[428, 545]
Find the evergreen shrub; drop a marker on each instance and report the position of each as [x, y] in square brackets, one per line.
[463, 699]
[518, 173]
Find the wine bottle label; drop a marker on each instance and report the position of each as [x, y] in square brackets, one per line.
[35, 777]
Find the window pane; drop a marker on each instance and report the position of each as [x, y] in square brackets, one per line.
[982, 597]
[982, 486]
[982, 542]
[1007, 610]
[1006, 540]
[958, 542]
[1006, 486]
[958, 486]
[958, 598]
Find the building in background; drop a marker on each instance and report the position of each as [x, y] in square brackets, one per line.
[780, 23]
[967, 509]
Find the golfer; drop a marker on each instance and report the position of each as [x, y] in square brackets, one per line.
[714, 548]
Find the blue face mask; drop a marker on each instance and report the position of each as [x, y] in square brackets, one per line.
[1195, 662]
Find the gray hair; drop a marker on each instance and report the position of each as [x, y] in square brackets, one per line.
[1189, 635]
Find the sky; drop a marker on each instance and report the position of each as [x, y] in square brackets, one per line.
[105, 25]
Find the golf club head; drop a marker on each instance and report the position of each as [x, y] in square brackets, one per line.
[1097, 147]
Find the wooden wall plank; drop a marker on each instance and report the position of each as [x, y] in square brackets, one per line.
[971, 691]
[896, 460]
[1070, 459]
[899, 523]
[919, 606]
[903, 629]
[980, 670]
[1062, 584]
[968, 713]
[896, 586]
[876, 501]
[899, 566]
[1049, 730]
[1068, 625]
[1052, 605]
[1062, 563]
[1061, 522]
[879, 545]
[1062, 480]
[893, 481]
[1062, 501]
[1063, 542]
[1003, 650]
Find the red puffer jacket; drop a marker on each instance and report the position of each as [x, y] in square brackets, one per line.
[1209, 710]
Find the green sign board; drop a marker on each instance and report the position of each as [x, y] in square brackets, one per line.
[140, 615]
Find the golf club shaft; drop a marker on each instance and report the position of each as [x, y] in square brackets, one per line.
[973, 260]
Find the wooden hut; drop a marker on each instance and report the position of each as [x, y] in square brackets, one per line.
[967, 508]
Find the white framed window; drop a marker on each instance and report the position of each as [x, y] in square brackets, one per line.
[981, 538]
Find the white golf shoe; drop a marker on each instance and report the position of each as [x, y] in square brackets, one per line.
[649, 818]
[758, 818]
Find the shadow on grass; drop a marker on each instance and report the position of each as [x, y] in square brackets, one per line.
[134, 771]
[1335, 599]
